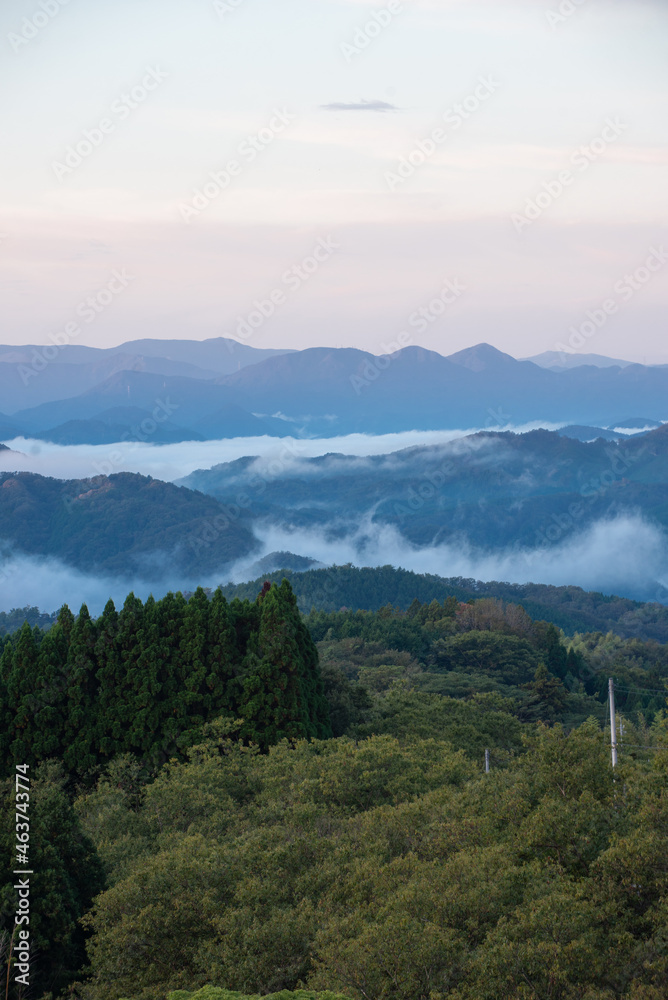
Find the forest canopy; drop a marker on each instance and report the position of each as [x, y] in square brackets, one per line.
[233, 800]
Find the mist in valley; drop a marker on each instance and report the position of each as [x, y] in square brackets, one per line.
[173, 461]
[627, 556]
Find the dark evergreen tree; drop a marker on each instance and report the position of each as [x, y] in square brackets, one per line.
[51, 694]
[170, 615]
[79, 731]
[272, 705]
[143, 683]
[192, 681]
[128, 642]
[110, 681]
[7, 716]
[147, 679]
[21, 701]
[547, 697]
[223, 663]
[553, 651]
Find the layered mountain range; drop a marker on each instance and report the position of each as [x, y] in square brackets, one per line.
[164, 391]
[491, 491]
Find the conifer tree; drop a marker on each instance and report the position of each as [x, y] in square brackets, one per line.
[144, 693]
[194, 635]
[170, 614]
[80, 752]
[51, 695]
[110, 679]
[129, 639]
[21, 702]
[315, 707]
[223, 663]
[6, 715]
[272, 705]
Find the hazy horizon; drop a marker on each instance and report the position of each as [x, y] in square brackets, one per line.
[331, 135]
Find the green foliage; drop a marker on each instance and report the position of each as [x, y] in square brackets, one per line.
[67, 876]
[216, 993]
[145, 680]
[11, 621]
[241, 845]
[117, 524]
[385, 869]
[283, 696]
[569, 608]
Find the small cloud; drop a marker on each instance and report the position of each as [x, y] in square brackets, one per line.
[360, 106]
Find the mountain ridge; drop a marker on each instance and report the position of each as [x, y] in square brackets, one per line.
[328, 392]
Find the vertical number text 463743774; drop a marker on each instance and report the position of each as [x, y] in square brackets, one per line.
[21, 935]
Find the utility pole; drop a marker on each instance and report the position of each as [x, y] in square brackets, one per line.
[486, 761]
[613, 725]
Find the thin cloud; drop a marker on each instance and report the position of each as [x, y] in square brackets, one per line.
[360, 106]
[173, 461]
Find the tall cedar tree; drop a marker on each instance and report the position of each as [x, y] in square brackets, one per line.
[21, 687]
[146, 679]
[110, 676]
[51, 694]
[129, 640]
[79, 735]
[223, 662]
[279, 700]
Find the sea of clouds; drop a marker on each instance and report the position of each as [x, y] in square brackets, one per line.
[625, 555]
[173, 461]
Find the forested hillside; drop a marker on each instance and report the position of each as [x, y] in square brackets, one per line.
[493, 489]
[390, 868]
[570, 608]
[369, 589]
[123, 524]
[147, 678]
[228, 793]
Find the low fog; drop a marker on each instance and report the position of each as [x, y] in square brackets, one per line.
[625, 556]
[173, 461]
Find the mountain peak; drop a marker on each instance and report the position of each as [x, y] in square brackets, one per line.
[481, 357]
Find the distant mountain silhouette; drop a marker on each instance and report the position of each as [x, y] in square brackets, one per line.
[496, 490]
[123, 525]
[561, 360]
[325, 392]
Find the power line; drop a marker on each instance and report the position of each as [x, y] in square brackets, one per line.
[637, 746]
[630, 690]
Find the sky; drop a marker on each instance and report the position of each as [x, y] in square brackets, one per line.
[365, 155]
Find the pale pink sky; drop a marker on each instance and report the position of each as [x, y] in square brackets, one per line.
[537, 90]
